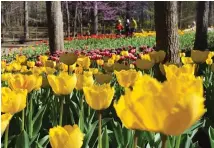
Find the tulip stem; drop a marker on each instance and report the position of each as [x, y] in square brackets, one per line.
[6, 137]
[164, 141]
[135, 140]
[61, 111]
[178, 141]
[30, 116]
[100, 130]
[23, 119]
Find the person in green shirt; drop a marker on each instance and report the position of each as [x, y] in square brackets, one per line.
[133, 25]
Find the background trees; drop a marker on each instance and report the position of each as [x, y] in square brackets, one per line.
[82, 15]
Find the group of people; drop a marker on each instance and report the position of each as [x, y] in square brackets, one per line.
[129, 27]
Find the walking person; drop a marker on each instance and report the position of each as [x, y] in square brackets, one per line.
[133, 26]
[119, 27]
[127, 27]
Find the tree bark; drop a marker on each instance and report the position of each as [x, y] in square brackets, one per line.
[55, 26]
[26, 29]
[201, 25]
[180, 14]
[75, 19]
[80, 17]
[95, 16]
[211, 14]
[167, 30]
[68, 19]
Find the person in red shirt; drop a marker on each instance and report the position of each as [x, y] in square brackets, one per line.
[119, 27]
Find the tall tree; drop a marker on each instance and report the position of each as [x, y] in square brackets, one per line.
[211, 22]
[201, 25]
[180, 14]
[75, 19]
[68, 19]
[80, 17]
[95, 17]
[166, 27]
[26, 29]
[55, 26]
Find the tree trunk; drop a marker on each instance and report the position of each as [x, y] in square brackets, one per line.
[75, 19]
[26, 29]
[68, 19]
[179, 14]
[95, 16]
[201, 25]
[55, 26]
[211, 14]
[81, 9]
[167, 30]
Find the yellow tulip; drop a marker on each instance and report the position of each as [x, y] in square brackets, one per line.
[84, 62]
[68, 58]
[24, 69]
[211, 54]
[182, 54]
[187, 60]
[38, 70]
[157, 56]
[199, 56]
[66, 137]
[49, 70]
[43, 59]
[209, 61]
[16, 66]
[132, 66]
[29, 82]
[103, 78]
[144, 64]
[119, 67]
[5, 76]
[21, 59]
[3, 64]
[100, 62]
[63, 84]
[169, 108]
[9, 68]
[94, 70]
[5, 120]
[30, 64]
[110, 61]
[62, 67]
[72, 67]
[50, 63]
[78, 70]
[108, 68]
[99, 97]
[127, 78]
[113, 57]
[117, 58]
[174, 71]
[124, 53]
[13, 101]
[85, 79]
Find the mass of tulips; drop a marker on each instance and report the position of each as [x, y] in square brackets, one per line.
[107, 98]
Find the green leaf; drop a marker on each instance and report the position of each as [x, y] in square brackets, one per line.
[118, 132]
[44, 141]
[105, 139]
[37, 121]
[22, 140]
[211, 135]
[89, 134]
